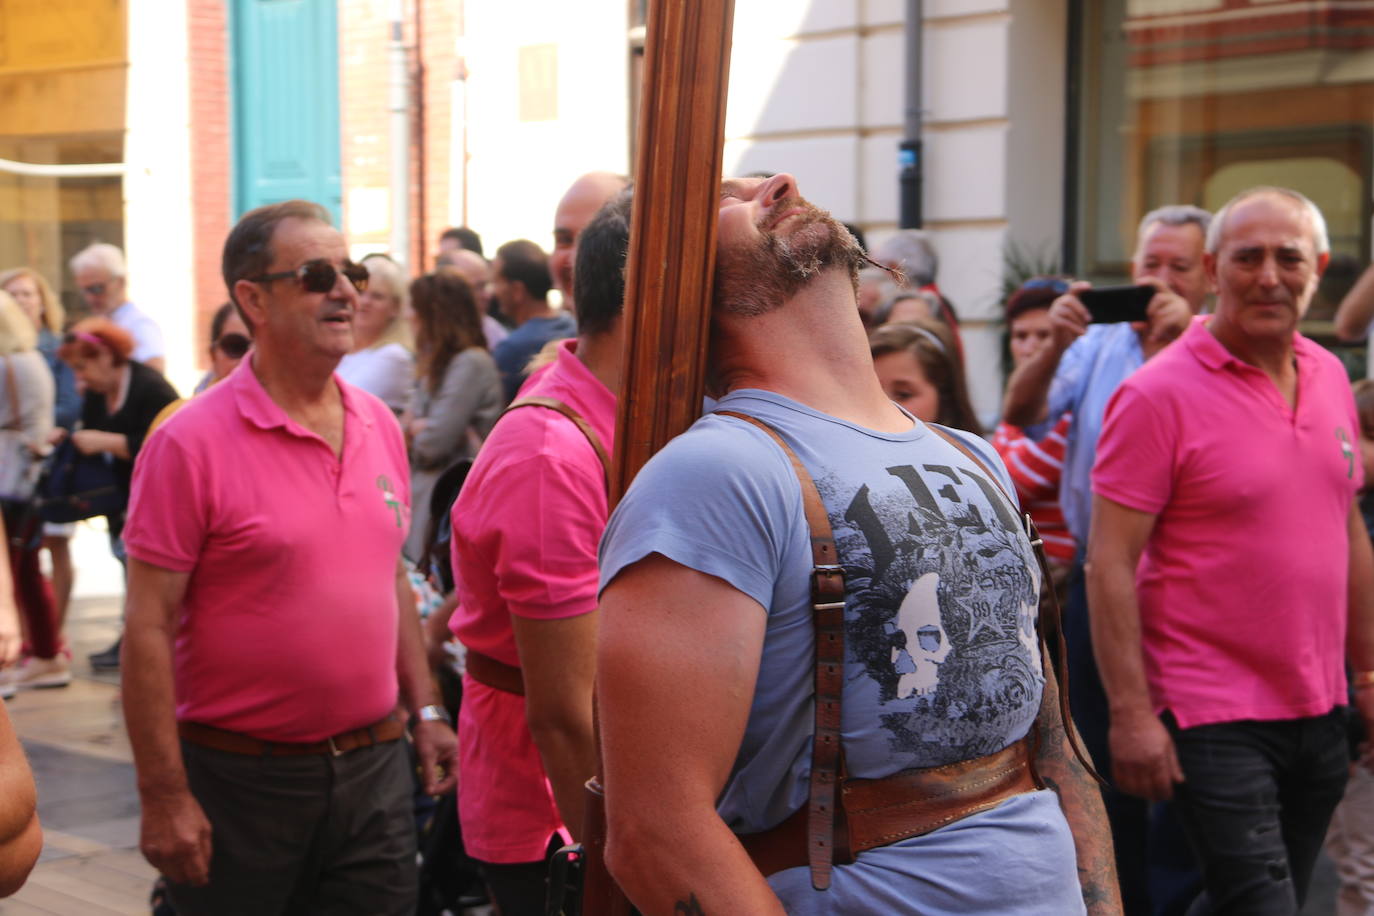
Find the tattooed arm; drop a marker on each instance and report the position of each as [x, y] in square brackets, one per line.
[1081, 801]
[677, 656]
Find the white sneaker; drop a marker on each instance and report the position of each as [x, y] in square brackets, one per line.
[35, 672]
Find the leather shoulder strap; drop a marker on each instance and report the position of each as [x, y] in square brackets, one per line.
[578, 421]
[1051, 617]
[827, 611]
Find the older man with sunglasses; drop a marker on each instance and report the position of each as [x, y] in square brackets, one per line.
[268, 643]
[101, 277]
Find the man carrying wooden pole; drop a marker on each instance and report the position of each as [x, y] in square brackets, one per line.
[814, 548]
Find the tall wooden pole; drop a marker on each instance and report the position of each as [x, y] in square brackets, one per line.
[673, 227]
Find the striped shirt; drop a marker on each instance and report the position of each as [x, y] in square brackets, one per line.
[1035, 468]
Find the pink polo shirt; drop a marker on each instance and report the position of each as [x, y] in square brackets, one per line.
[1242, 585]
[525, 532]
[288, 627]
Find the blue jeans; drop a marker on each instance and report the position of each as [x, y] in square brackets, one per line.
[1255, 803]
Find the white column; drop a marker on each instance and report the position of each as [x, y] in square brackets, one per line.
[157, 185]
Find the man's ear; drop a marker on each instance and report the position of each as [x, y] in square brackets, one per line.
[1209, 266]
[252, 303]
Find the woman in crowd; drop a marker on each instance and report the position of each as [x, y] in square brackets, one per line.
[44, 309]
[920, 370]
[122, 398]
[381, 362]
[457, 394]
[26, 415]
[1035, 465]
[229, 343]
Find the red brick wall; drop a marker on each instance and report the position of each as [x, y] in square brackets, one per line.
[211, 181]
[364, 45]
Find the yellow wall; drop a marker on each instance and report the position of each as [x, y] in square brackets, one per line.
[62, 66]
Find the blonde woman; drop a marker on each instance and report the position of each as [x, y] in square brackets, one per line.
[26, 401]
[43, 307]
[382, 362]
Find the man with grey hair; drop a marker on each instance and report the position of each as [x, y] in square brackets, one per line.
[1077, 373]
[101, 275]
[1230, 575]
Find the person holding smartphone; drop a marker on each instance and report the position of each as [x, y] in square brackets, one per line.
[1077, 371]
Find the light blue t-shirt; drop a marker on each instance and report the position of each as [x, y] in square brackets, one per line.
[941, 658]
[1089, 373]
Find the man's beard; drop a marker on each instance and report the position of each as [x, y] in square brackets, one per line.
[753, 280]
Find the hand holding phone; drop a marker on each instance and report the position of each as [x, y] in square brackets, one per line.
[1110, 304]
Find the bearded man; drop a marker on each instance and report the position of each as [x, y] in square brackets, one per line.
[810, 547]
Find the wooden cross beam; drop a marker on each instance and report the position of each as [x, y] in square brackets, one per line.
[672, 254]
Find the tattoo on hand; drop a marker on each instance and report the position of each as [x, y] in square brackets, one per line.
[688, 907]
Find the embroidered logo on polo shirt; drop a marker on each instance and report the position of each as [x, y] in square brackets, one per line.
[389, 497]
[1348, 451]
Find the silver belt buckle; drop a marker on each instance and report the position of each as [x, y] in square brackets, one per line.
[334, 748]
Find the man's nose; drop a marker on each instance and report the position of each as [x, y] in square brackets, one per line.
[779, 187]
[1269, 271]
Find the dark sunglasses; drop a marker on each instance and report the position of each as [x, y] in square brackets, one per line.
[319, 275]
[233, 345]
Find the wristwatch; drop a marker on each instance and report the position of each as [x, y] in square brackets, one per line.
[430, 714]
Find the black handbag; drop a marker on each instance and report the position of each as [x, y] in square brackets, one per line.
[76, 486]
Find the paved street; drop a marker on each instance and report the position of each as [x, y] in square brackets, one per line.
[76, 744]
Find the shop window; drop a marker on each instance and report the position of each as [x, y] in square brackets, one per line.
[1190, 101]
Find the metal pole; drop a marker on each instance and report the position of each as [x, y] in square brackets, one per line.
[910, 152]
[399, 107]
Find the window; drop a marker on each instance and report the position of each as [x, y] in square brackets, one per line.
[1190, 101]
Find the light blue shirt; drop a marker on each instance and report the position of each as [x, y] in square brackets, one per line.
[1087, 377]
[941, 659]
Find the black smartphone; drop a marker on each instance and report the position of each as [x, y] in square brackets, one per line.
[1109, 304]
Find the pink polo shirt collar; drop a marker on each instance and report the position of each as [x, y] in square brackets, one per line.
[258, 408]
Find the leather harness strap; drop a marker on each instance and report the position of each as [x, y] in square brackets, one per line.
[827, 611]
[875, 812]
[1052, 617]
[578, 420]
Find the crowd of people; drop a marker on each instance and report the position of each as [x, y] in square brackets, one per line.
[839, 532]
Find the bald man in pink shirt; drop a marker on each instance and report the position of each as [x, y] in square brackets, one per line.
[1230, 577]
[270, 639]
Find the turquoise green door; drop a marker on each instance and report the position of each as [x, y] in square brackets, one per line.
[285, 65]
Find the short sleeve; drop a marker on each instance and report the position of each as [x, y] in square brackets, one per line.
[147, 340]
[542, 543]
[715, 500]
[168, 506]
[1136, 452]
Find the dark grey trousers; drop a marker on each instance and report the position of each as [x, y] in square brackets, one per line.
[304, 835]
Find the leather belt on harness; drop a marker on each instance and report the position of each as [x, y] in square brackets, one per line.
[876, 812]
[389, 729]
[497, 674]
[846, 816]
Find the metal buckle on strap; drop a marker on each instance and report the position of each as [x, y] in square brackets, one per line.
[828, 606]
[1035, 539]
[333, 748]
[828, 569]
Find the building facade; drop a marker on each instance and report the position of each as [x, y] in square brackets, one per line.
[1048, 127]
